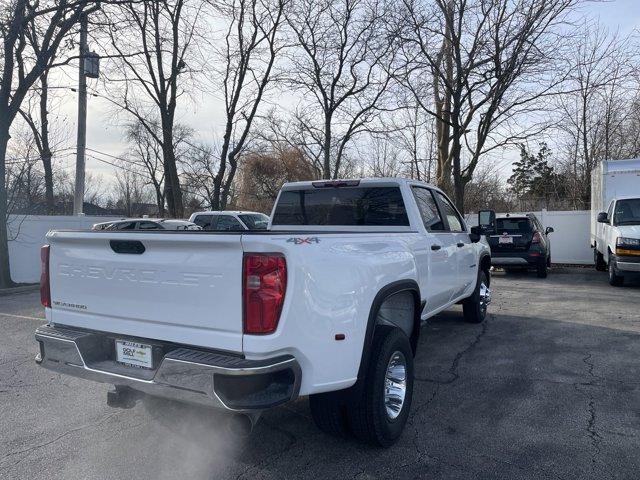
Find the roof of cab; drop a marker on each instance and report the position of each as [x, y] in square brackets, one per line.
[367, 181]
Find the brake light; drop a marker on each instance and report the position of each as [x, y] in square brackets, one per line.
[537, 238]
[264, 283]
[336, 183]
[45, 289]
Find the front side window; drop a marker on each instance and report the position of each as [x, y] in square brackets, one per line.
[343, 206]
[149, 226]
[255, 221]
[627, 212]
[123, 226]
[428, 209]
[451, 214]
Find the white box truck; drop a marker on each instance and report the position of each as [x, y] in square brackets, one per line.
[615, 218]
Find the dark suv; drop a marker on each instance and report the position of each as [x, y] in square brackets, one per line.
[521, 242]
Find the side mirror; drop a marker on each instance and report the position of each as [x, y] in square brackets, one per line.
[487, 222]
[475, 234]
[602, 217]
[549, 230]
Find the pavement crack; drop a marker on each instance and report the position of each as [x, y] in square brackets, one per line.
[453, 369]
[594, 437]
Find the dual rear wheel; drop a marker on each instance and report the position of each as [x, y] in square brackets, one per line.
[376, 409]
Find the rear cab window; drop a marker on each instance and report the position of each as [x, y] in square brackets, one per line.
[341, 206]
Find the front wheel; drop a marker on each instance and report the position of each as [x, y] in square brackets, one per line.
[614, 279]
[474, 308]
[378, 415]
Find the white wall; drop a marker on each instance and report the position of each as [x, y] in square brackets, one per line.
[570, 241]
[27, 235]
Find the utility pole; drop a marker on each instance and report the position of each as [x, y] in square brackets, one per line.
[78, 198]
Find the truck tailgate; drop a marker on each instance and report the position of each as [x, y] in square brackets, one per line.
[182, 288]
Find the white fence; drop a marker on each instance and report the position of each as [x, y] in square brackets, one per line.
[27, 235]
[569, 242]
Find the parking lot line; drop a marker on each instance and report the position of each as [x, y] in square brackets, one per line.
[23, 317]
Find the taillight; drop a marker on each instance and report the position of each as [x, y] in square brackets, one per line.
[45, 288]
[537, 238]
[263, 285]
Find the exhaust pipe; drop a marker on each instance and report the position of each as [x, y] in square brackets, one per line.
[241, 425]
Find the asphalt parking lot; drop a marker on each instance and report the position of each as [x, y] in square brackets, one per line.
[548, 387]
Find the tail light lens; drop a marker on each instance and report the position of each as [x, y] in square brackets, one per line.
[45, 289]
[537, 238]
[263, 285]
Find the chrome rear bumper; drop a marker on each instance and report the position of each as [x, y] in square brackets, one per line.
[195, 376]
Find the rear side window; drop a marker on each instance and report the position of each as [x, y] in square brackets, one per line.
[204, 221]
[514, 225]
[373, 206]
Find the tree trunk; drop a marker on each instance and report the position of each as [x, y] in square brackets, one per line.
[326, 166]
[46, 148]
[5, 270]
[173, 191]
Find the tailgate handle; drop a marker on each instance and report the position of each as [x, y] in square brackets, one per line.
[134, 247]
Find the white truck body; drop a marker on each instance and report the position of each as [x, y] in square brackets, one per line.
[612, 179]
[615, 185]
[186, 289]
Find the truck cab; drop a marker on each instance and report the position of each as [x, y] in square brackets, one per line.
[619, 239]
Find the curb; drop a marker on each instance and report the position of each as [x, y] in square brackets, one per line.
[21, 289]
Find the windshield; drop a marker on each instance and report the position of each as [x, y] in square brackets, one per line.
[627, 212]
[255, 221]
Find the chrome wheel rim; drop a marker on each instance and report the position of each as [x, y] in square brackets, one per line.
[485, 297]
[395, 385]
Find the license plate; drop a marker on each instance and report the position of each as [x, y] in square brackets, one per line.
[134, 354]
[505, 240]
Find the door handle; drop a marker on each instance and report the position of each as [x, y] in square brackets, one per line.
[435, 247]
[460, 244]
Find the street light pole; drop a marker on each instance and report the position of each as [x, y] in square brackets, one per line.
[78, 199]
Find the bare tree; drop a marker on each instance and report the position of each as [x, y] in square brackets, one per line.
[596, 108]
[23, 25]
[130, 192]
[246, 58]
[340, 63]
[490, 63]
[156, 55]
[263, 172]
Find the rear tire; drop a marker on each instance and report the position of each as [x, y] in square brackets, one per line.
[474, 308]
[598, 259]
[614, 279]
[379, 413]
[542, 269]
[329, 413]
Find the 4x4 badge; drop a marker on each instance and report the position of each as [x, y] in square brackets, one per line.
[303, 240]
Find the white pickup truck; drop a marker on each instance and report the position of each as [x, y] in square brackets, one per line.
[327, 303]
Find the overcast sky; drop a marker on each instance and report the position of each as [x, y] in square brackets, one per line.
[104, 133]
